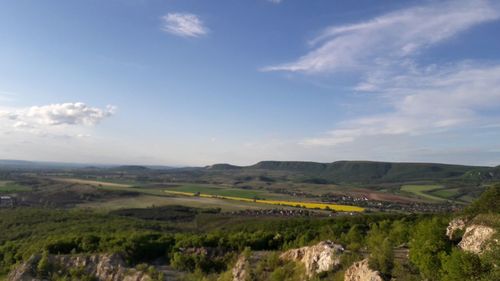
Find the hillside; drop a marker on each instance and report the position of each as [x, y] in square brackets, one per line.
[360, 171]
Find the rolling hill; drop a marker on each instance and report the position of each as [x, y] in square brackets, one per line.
[358, 171]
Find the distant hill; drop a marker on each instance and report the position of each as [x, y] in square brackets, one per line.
[28, 165]
[482, 174]
[360, 171]
[130, 168]
[223, 167]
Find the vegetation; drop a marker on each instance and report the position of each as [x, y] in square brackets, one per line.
[422, 191]
[204, 242]
[301, 204]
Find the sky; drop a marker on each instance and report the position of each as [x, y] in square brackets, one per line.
[185, 82]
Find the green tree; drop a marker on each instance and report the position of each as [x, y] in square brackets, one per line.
[486, 203]
[428, 241]
[462, 265]
[381, 249]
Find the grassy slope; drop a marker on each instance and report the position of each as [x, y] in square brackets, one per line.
[422, 191]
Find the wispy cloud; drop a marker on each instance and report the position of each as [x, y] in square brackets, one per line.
[275, 1]
[423, 101]
[396, 35]
[184, 24]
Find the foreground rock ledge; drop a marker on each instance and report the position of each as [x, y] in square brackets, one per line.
[102, 267]
[360, 271]
[476, 238]
[321, 257]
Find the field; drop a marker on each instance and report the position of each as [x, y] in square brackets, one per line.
[302, 204]
[10, 187]
[218, 190]
[93, 182]
[422, 191]
[210, 196]
[446, 193]
[145, 201]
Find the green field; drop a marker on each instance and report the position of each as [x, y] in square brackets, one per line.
[145, 201]
[220, 191]
[10, 187]
[422, 191]
[446, 193]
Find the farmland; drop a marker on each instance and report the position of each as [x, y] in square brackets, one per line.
[302, 204]
[422, 191]
[11, 187]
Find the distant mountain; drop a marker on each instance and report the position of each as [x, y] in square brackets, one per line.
[359, 171]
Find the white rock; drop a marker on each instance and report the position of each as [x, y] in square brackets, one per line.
[321, 257]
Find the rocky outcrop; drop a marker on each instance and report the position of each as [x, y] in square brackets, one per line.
[360, 271]
[455, 228]
[476, 238]
[26, 271]
[102, 267]
[321, 257]
[239, 270]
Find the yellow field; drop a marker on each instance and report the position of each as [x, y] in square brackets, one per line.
[308, 205]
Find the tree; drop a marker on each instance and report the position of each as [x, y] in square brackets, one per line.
[486, 203]
[461, 265]
[381, 249]
[428, 241]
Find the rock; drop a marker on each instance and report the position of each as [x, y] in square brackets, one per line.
[475, 238]
[103, 267]
[321, 257]
[360, 271]
[454, 228]
[26, 271]
[239, 269]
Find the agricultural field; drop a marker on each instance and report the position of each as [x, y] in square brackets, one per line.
[302, 204]
[446, 193]
[11, 187]
[423, 191]
[146, 201]
[218, 190]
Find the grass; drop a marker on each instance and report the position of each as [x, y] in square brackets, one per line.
[421, 191]
[220, 191]
[113, 186]
[446, 193]
[211, 195]
[145, 201]
[308, 205]
[11, 187]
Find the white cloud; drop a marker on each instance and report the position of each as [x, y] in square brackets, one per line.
[183, 24]
[395, 35]
[426, 101]
[275, 1]
[47, 119]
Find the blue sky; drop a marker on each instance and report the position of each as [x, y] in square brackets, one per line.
[201, 82]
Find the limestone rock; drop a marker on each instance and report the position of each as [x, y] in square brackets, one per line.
[239, 269]
[360, 271]
[475, 238]
[321, 257]
[455, 226]
[102, 267]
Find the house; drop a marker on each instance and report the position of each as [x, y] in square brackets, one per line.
[6, 202]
